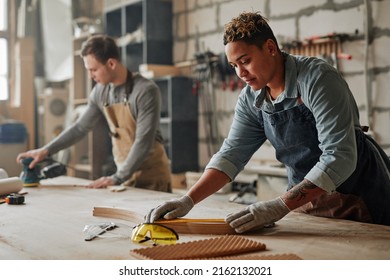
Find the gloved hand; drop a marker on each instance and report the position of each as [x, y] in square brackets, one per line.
[257, 215]
[170, 209]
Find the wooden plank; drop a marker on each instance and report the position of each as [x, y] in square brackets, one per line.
[180, 225]
[157, 70]
[65, 181]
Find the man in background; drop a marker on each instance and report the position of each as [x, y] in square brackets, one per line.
[131, 105]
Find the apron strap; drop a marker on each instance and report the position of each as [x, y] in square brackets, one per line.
[128, 88]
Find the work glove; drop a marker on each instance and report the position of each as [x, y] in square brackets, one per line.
[257, 215]
[170, 209]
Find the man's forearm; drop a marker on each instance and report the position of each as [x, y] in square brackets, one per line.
[77, 130]
[301, 194]
[67, 138]
[210, 182]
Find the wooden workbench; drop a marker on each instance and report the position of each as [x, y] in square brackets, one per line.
[49, 226]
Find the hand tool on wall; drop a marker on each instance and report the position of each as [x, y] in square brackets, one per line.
[31, 176]
[328, 47]
[336, 36]
[203, 71]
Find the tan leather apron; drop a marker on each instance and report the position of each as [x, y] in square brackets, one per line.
[154, 173]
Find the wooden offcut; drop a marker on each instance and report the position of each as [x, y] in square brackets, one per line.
[222, 246]
[157, 70]
[180, 225]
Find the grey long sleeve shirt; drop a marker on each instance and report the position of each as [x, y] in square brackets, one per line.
[145, 105]
[327, 96]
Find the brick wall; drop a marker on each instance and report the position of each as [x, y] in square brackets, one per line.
[198, 26]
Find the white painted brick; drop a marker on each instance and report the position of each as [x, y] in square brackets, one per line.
[180, 51]
[225, 103]
[184, 51]
[381, 127]
[357, 86]
[231, 98]
[203, 155]
[201, 106]
[325, 21]
[284, 30]
[356, 49]
[218, 2]
[179, 6]
[190, 4]
[213, 43]
[192, 48]
[202, 3]
[380, 12]
[202, 20]
[341, 1]
[382, 92]
[380, 52]
[224, 126]
[232, 9]
[363, 117]
[202, 126]
[180, 26]
[278, 7]
[203, 145]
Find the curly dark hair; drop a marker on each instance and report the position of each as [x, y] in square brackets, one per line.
[252, 28]
[102, 47]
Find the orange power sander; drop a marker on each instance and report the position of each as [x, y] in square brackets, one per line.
[48, 168]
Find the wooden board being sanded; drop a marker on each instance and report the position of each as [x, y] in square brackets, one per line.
[180, 225]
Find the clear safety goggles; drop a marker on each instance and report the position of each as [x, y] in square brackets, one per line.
[159, 234]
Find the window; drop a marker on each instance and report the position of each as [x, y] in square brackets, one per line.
[3, 15]
[4, 88]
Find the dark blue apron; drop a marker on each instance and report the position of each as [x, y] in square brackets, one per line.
[364, 196]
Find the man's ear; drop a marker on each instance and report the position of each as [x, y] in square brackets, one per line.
[271, 46]
[112, 63]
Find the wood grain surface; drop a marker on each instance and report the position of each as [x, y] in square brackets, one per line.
[51, 222]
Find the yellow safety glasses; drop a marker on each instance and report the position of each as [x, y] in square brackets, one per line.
[159, 234]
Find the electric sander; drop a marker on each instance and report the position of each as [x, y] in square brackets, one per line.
[48, 168]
